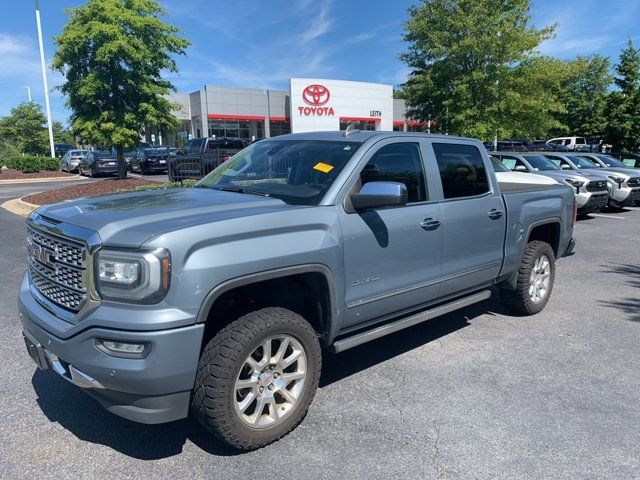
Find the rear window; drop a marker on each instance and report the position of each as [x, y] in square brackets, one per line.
[462, 170]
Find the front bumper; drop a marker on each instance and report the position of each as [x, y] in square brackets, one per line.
[154, 389]
[596, 202]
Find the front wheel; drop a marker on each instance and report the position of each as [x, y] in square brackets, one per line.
[536, 275]
[257, 377]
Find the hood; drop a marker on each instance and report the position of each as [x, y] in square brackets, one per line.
[562, 175]
[521, 177]
[629, 172]
[129, 219]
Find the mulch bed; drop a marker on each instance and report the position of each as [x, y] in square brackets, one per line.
[12, 174]
[110, 185]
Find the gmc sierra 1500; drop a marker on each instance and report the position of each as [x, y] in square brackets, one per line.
[219, 298]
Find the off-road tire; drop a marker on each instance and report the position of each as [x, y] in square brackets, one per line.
[223, 356]
[519, 300]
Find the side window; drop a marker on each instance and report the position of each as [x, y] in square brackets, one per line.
[555, 160]
[462, 170]
[398, 162]
[187, 146]
[214, 144]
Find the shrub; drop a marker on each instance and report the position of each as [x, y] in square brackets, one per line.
[32, 164]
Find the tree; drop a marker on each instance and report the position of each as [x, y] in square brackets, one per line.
[584, 92]
[62, 134]
[467, 59]
[623, 107]
[25, 130]
[112, 54]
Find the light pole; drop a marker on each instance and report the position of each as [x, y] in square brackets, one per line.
[44, 81]
[28, 92]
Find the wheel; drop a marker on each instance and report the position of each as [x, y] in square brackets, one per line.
[536, 275]
[257, 377]
[80, 171]
[172, 174]
[92, 174]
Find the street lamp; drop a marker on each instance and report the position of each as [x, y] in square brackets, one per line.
[28, 92]
[44, 81]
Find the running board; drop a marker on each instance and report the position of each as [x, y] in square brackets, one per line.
[406, 322]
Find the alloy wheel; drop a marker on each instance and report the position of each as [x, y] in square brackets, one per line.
[540, 279]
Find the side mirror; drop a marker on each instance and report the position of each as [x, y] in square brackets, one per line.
[564, 166]
[521, 168]
[380, 194]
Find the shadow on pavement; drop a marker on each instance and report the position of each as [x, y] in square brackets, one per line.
[335, 367]
[83, 416]
[631, 276]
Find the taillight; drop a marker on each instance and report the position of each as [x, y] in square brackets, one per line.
[225, 159]
[152, 160]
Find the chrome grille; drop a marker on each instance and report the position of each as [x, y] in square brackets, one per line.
[57, 267]
[597, 186]
[634, 182]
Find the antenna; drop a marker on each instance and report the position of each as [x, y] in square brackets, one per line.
[351, 129]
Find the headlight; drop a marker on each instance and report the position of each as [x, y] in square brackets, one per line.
[133, 276]
[574, 183]
[618, 180]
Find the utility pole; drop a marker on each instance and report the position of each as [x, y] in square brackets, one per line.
[44, 81]
[28, 92]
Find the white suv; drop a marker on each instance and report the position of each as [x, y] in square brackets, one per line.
[572, 143]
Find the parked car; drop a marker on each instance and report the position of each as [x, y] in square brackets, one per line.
[150, 160]
[631, 160]
[70, 160]
[589, 197]
[628, 179]
[218, 299]
[61, 148]
[571, 143]
[571, 162]
[504, 175]
[98, 162]
[200, 156]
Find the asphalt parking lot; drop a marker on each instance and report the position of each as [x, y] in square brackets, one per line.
[476, 394]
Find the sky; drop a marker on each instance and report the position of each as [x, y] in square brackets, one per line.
[261, 44]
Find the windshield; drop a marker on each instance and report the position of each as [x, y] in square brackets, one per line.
[540, 163]
[498, 166]
[297, 172]
[580, 162]
[611, 162]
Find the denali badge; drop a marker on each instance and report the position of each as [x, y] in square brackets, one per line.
[362, 281]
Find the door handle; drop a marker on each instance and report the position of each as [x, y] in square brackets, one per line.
[430, 224]
[495, 214]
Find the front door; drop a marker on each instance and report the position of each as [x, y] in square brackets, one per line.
[392, 256]
[474, 218]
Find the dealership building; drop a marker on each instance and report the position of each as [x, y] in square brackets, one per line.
[311, 104]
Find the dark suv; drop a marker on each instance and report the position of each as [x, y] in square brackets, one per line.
[200, 156]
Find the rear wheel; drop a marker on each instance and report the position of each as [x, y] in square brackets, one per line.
[257, 377]
[536, 275]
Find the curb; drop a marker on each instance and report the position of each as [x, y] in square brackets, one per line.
[19, 207]
[39, 180]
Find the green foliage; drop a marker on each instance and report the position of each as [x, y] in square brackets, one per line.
[32, 163]
[623, 107]
[584, 92]
[63, 134]
[112, 54]
[24, 130]
[474, 68]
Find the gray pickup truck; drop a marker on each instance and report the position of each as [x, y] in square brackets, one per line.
[219, 298]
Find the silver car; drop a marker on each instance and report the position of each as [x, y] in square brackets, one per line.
[627, 179]
[69, 162]
[591, 194]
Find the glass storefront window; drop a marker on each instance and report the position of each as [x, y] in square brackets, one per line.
[244, 129]
[361, 125]
[279, 128]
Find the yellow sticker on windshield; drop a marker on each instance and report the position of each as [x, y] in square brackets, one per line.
[323, 167]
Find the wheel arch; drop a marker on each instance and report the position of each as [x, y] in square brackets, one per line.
[306, 289]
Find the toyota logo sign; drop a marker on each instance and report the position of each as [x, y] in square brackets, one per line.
[316, 95]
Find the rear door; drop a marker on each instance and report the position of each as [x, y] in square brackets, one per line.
[392, 256]
[474, 217]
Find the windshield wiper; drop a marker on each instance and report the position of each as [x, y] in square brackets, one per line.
[240, 190]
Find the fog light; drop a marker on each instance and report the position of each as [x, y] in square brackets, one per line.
[123, 349]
